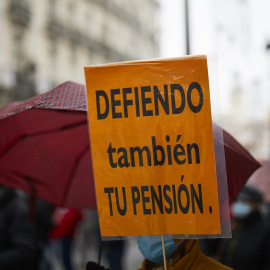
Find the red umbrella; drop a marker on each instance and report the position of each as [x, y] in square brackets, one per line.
[261, 179]
[240, 165]
[44, 148]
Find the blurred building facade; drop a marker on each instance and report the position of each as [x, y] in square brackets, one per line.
[237, 32]
[244, 34]
[47, 42]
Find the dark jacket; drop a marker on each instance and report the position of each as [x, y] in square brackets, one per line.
[249, 247]
[18, 249]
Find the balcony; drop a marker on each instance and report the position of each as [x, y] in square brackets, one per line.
[19, 12]
[56, 29]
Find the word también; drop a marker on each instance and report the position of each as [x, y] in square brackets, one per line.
[156, 155]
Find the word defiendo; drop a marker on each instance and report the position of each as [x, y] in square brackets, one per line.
[149, 200]
[156, 155]
[148, 95]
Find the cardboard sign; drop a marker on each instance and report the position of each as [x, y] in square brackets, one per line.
[152, 147]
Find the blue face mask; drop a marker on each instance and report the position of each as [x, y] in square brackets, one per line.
[151, 247]
[241, 210]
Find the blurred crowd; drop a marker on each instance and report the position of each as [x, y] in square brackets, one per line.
[37, 235]
[249, 247]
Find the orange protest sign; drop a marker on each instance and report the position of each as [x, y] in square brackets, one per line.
[152, 147]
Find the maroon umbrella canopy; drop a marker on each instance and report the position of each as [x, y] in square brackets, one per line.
[240, 165]
[44, 148]
[261, 179]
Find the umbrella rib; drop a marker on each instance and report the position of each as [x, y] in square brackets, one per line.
[8, 148]
[77, 161]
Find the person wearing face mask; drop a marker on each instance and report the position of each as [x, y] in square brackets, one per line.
[249, 247]
[180, 254]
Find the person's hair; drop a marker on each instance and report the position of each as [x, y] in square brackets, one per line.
[94, 266]
[250, 193]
